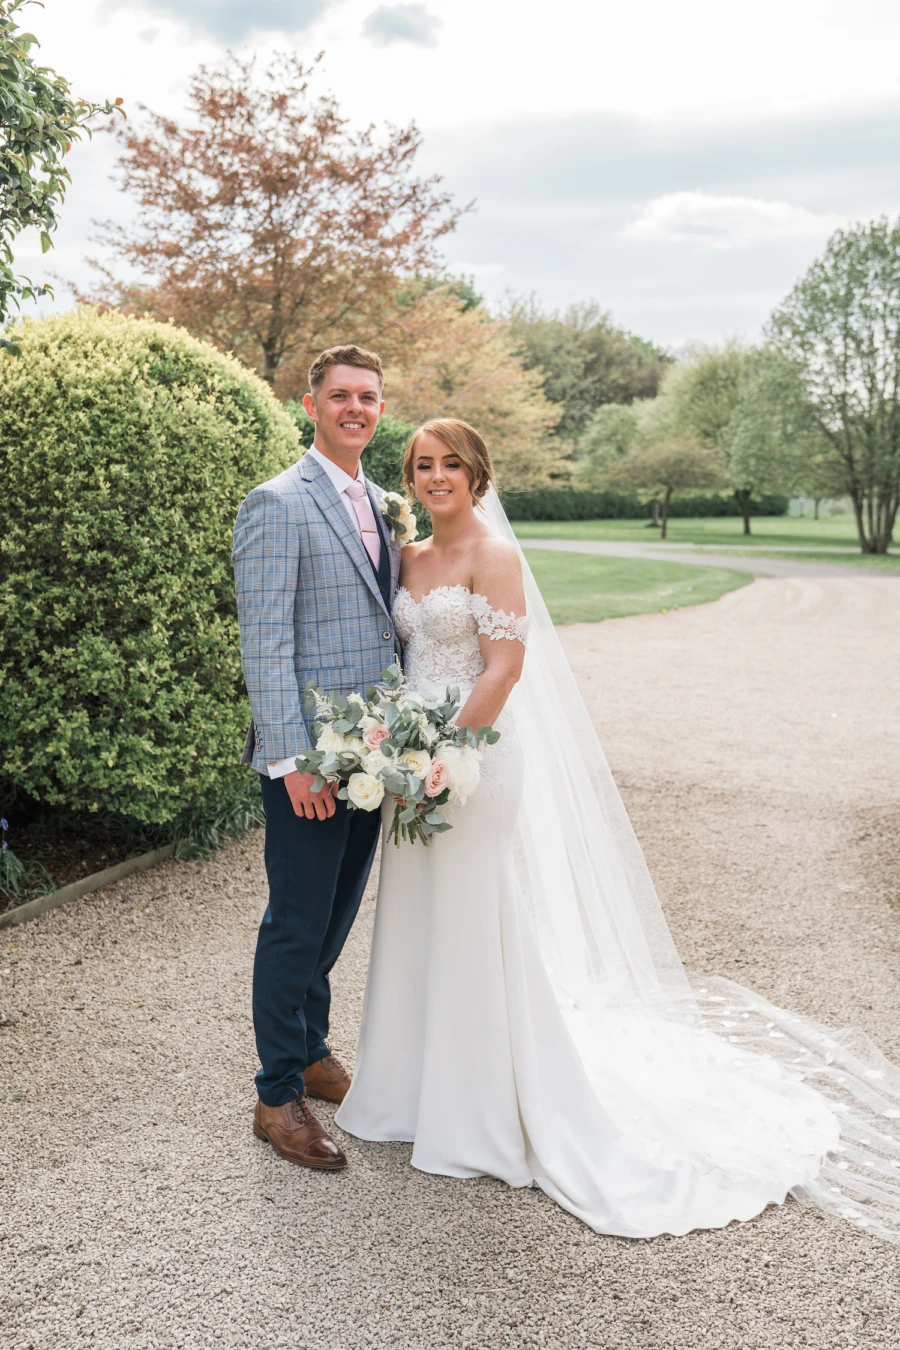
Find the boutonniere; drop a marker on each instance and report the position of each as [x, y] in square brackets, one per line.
[399, 515]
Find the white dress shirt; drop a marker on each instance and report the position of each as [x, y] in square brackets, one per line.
[341, 479]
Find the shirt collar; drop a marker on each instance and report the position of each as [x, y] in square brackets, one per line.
[339, 477]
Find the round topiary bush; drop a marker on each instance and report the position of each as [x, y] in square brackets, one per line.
[126, 447]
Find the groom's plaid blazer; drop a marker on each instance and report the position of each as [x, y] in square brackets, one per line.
[309, 604]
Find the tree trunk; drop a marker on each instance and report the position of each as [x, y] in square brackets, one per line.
[654, 512]
[865, 544]
[665, 514]
[743, 496]
[816, 501]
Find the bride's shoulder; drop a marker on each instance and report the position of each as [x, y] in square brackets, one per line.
[495, 559]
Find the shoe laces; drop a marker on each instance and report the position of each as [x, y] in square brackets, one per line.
[301, 1112]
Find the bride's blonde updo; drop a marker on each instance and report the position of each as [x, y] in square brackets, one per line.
[465, 442]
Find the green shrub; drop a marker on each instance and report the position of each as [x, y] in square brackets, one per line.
[126, 447]
[583, 504]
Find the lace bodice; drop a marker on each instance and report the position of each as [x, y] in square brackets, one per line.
[440, 634]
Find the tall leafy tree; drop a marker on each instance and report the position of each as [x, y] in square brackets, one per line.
[584, 360]
[840, 325]
[267, 226]
[659, 458]
[39, 122]
[702, 395]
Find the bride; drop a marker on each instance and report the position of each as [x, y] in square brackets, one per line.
[526, 1014]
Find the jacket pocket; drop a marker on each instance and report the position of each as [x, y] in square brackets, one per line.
[338, 679]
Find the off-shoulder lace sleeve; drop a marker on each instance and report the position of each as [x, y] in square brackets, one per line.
[496, 623]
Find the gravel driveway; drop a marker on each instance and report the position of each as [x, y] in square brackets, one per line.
[755, 741]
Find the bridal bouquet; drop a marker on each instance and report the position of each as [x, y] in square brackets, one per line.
[397, 742]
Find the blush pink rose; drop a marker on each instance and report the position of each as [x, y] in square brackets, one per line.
[374, 736]
[437, 778]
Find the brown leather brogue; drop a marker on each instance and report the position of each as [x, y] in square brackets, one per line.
[327, 1079]
[297, 1136]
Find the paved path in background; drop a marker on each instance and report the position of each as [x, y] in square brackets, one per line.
[756, 749]
[760, 567]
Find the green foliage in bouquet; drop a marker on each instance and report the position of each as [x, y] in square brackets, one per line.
[126, 447]
[422, 758]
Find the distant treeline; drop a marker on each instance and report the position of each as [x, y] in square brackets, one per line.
[575, 504]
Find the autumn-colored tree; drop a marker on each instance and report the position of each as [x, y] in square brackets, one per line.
[448, 358]
[267, 226]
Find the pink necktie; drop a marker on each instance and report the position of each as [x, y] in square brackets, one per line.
[366, 517]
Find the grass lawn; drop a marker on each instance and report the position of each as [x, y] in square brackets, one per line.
[875, 562]
[583, 588]
[768, 531]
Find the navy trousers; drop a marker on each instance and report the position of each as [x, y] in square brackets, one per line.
[317, 872]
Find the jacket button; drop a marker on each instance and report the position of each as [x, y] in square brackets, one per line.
[386, 635]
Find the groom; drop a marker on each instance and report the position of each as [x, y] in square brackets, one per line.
[315, 574]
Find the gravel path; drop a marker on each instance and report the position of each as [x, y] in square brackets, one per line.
[755, 741]
[703, 556]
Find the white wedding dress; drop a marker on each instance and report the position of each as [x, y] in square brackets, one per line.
[524, 1018]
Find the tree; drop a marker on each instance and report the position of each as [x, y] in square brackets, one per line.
[642, 447]
[841, 326]
[770, 441]
[609, 435]
[702, 395]
[665, 466]
[268, 227]
[584, 361]
[447, 358]
[39, 123]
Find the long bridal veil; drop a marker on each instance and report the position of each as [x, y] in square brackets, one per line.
[618, 977]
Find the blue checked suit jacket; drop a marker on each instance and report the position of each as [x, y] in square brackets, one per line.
[309, 605]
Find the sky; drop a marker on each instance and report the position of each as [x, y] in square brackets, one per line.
[681, 165]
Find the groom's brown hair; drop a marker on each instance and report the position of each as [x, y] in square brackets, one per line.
[349, 355]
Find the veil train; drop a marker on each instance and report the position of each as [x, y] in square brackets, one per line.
[614, 967]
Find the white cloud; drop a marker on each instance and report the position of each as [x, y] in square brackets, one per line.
[402, 23]
[722, 222]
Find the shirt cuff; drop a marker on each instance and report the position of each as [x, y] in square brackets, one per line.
[277, 768]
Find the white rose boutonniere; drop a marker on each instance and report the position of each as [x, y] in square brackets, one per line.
[399, 516]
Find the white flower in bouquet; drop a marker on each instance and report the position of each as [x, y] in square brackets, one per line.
[417, 762]
[357, 700]
[373, 761]
[355, 746]
[427, 730]
[331, 741]
[400, 517]
[464, 767]
[365, 791]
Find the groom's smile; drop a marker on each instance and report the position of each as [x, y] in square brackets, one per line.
[345, 408]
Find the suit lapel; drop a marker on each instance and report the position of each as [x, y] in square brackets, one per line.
[328, 499]
[388, 540]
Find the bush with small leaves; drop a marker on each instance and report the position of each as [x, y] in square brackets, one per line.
[126, 447]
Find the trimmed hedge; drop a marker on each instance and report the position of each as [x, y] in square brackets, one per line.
[580, 504]
[126, 447]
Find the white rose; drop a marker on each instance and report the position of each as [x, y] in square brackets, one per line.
[367, 723]
[464, 766]
[416, 761]
[356, 699]
[365, 791]
[373, 761]
[331, 740]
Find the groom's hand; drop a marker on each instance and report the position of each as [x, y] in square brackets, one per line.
[316, 805]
